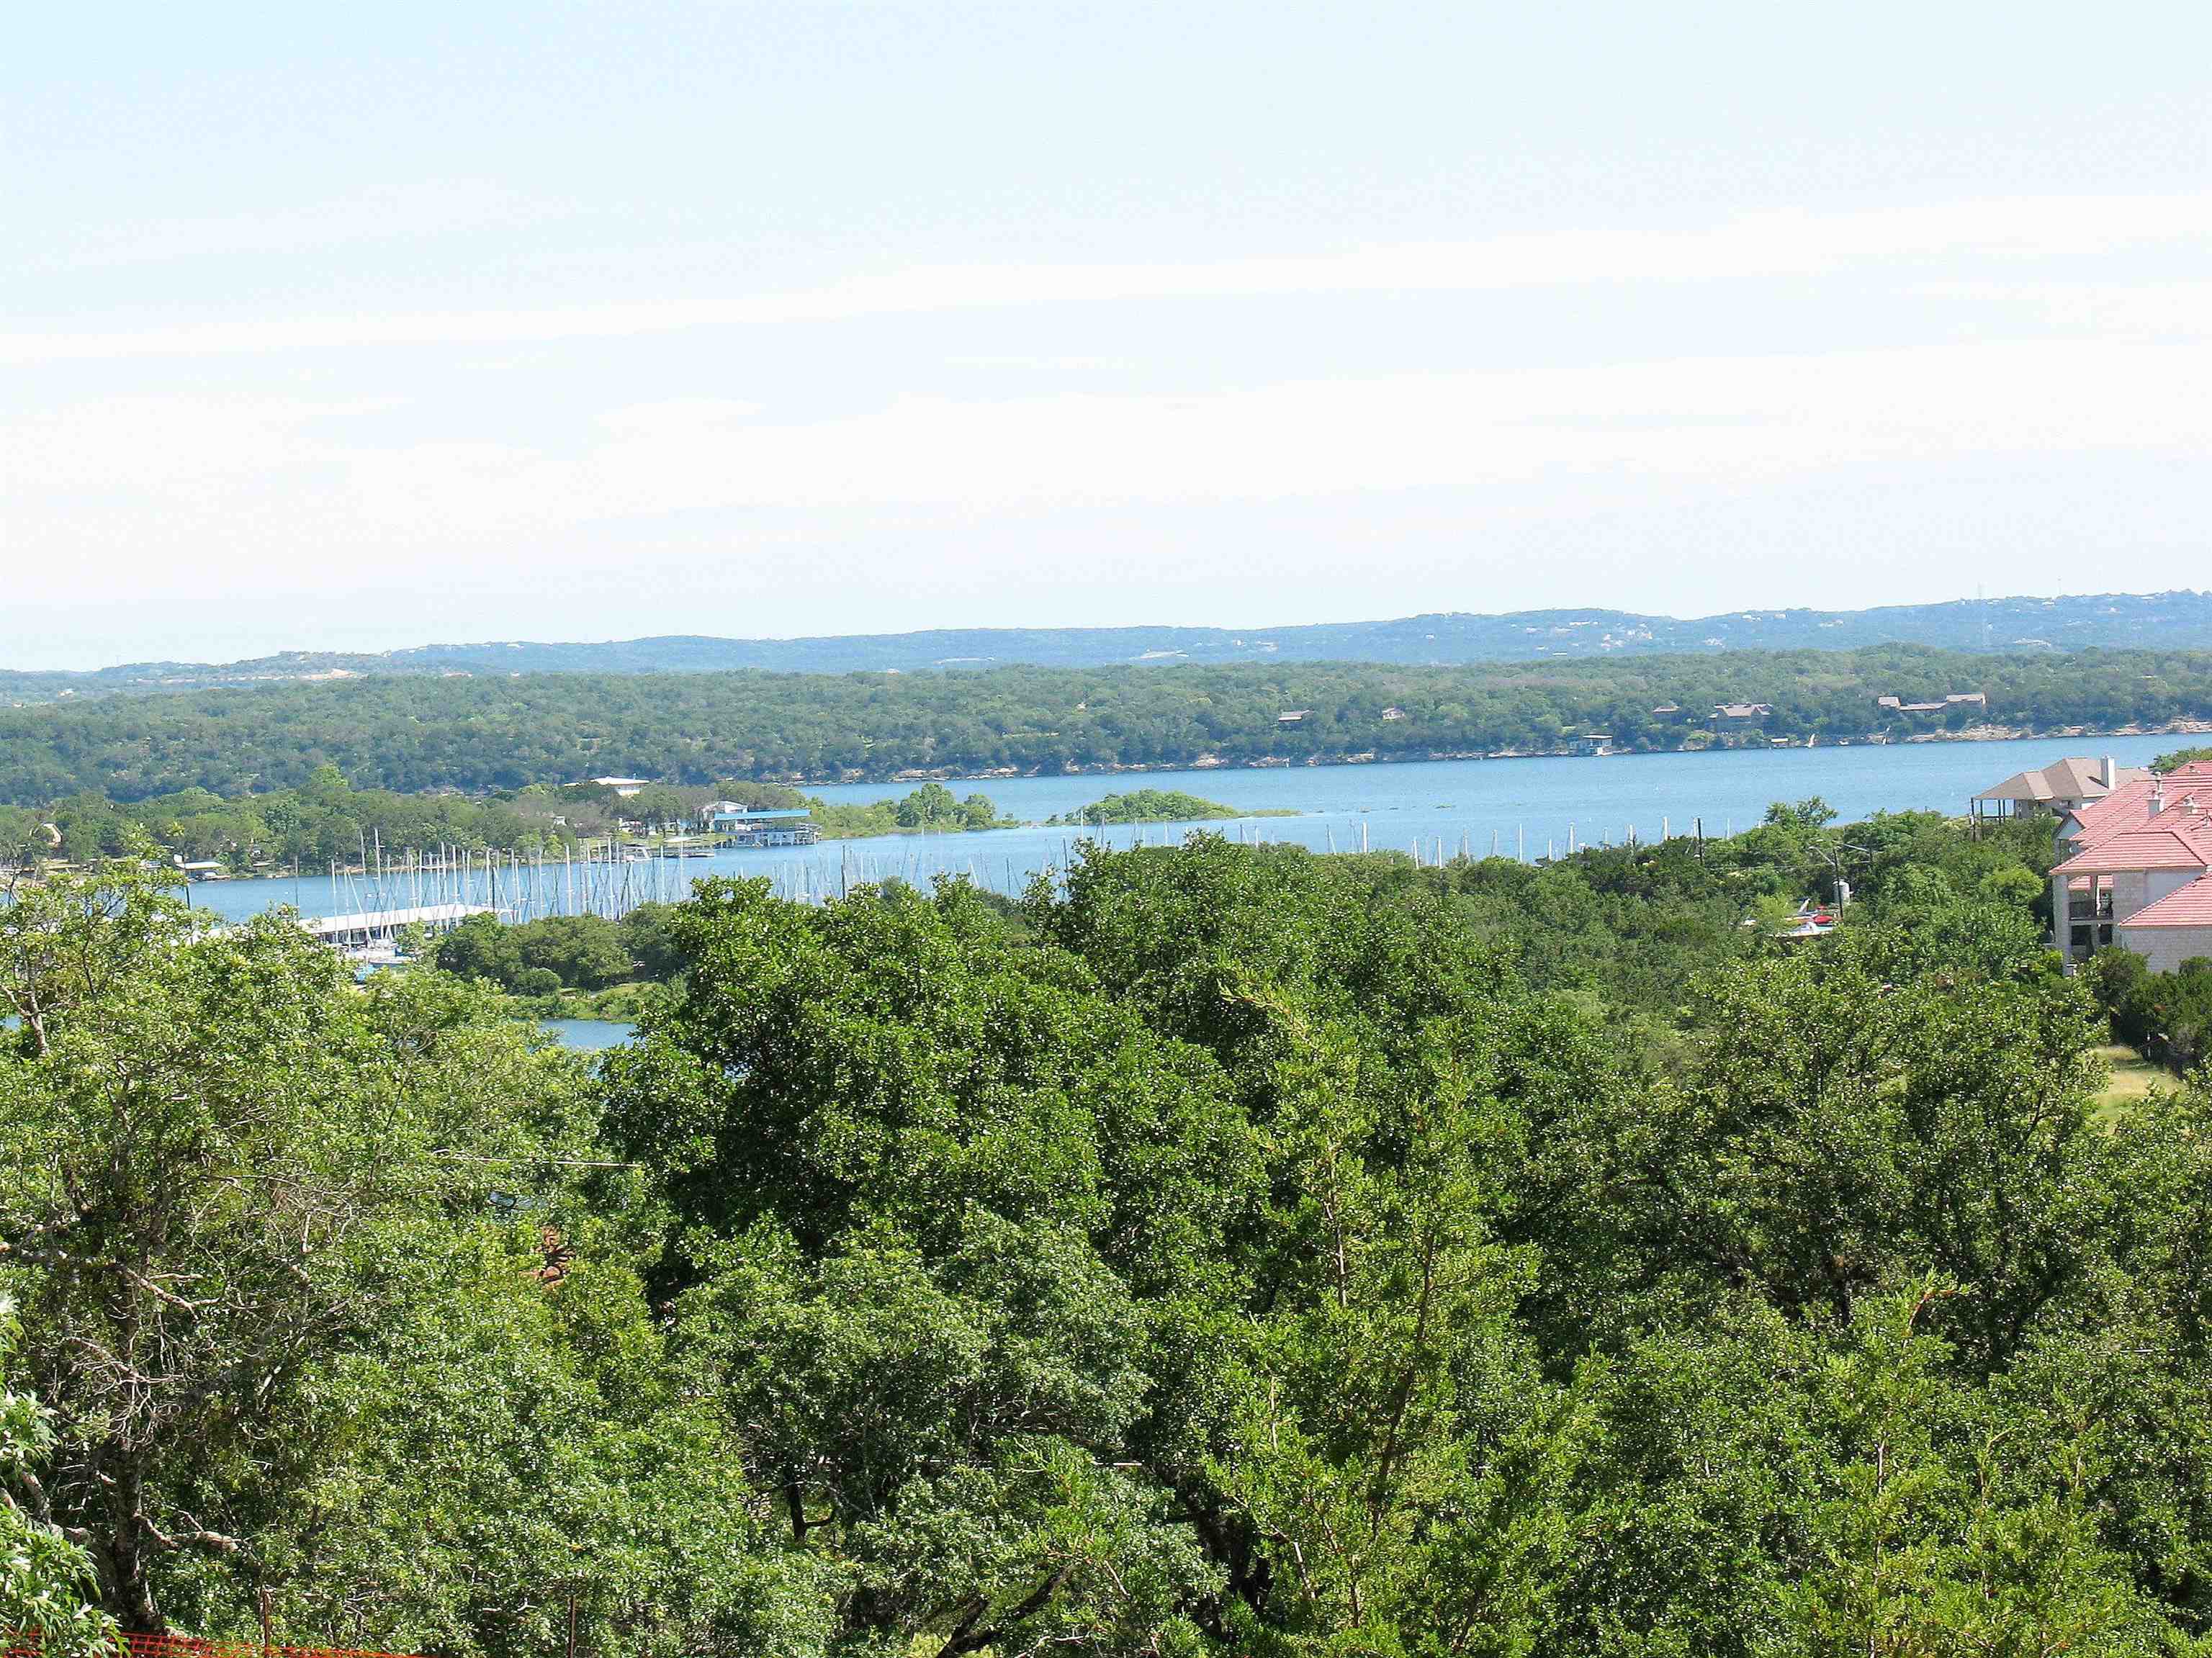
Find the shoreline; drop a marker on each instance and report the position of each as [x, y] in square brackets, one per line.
[2179, 729]
[1376, 757]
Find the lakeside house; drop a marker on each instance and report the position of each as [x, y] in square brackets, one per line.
[2136, 868]
[1741, 710]
[624, 786]
[2060, 787]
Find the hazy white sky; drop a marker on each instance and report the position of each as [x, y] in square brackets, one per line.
[361, 327]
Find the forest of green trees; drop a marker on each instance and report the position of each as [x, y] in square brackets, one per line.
[554, 953]
[480, 735]
[327, 820]
[1225, 1249]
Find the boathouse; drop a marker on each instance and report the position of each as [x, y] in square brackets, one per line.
[784, 826]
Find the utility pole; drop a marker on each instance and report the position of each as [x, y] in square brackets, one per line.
[1834, 855]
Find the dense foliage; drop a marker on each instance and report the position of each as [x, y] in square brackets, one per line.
[2167, 1015]
[321, 822]
[48, 1588]
[560, 952]
[327, 1301]
[479, 735]
[1226, 1249]
[931, 809]
[1147, 806]
[326, 821]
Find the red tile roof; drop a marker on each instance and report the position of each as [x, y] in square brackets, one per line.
[2135, 791]
[2127, 808]
[2184, 844]
[2191, 906]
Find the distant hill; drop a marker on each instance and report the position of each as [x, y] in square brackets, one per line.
[2174, 621]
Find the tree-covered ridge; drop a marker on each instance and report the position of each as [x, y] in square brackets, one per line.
[327, 821]
[1226, 1249]
[2173, 621]
[479, 735]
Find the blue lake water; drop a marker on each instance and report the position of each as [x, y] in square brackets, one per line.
[1524, 808]
[587, 1036]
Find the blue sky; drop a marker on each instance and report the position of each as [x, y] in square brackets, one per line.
[356, 328]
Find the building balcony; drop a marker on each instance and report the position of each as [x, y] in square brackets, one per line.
[2084, 909]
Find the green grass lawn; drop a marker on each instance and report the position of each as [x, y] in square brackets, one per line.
[2133, 1077]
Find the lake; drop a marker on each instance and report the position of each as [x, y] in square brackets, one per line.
[587, 1036]
[1524, 808]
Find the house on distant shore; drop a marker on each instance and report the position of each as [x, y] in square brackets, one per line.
[624, 786]
[1954, 700]
[2137, 869]
[1742, 710]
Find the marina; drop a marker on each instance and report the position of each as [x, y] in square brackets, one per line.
[374, 935]
[1522, 809]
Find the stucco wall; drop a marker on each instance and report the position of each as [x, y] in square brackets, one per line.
[2165, 947]
[2136, 889]
[2160, 882]
[2127, 892]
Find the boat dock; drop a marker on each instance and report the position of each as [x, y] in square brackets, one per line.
[371, 932]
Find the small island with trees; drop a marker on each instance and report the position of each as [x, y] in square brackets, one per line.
[1155, 806]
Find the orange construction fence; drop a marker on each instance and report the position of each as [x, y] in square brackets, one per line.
[193, 1646]
[189, 1646]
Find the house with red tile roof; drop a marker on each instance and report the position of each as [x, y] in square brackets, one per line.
[2130, 805]
[2137, 871]
[2176, 929]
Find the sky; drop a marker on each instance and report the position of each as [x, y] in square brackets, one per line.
[353, 328]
